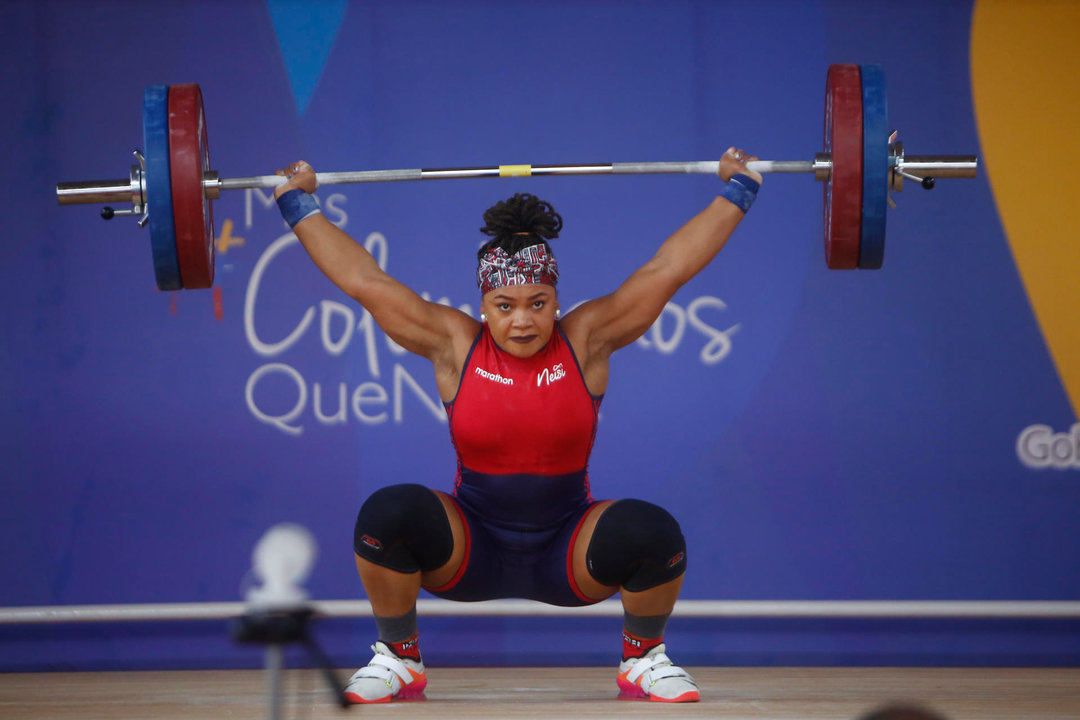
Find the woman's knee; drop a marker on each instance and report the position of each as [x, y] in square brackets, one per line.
[637, 546]
[404, 528]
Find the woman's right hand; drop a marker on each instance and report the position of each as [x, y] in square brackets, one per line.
[300, 176]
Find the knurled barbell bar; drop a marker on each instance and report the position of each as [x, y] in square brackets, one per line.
[861, 162]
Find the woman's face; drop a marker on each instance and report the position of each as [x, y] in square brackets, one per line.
[521, 317]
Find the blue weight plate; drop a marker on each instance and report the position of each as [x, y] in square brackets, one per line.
[159, 187]
[875, 195]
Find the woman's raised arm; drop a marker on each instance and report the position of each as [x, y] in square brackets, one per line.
[422, 327]
[605, 324]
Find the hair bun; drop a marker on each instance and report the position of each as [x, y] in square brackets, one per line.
[523, 213]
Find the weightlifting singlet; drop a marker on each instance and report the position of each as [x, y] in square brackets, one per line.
[523, 429]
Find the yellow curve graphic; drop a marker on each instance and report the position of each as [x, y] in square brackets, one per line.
[1025, 75]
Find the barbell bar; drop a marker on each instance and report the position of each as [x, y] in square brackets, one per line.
[860, 165]
[914, 167]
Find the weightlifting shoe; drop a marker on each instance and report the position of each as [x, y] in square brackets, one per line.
[387, 677]
[654, 677]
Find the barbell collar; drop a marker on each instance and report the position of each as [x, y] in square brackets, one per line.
[212, 185]
[822, 166]
[896, 163]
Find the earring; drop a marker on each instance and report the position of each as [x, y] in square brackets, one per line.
[558, 313]
[483, 318]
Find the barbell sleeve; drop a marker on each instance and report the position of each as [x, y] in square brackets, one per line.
[940, 166]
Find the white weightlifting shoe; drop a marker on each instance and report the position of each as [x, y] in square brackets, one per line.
[385, 678]
[655, 677]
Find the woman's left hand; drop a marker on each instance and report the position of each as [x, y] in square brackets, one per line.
[733, 162]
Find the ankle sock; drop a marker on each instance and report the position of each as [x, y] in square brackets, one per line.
[635, 647]
[641, 633]
[408, 648]
[400, 634]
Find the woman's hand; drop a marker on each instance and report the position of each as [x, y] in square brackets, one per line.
[733, 162]
[301, 176]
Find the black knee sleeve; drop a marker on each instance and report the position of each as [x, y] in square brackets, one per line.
[636, 545]
[404, 528]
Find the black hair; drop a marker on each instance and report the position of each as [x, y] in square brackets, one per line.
[505, 221]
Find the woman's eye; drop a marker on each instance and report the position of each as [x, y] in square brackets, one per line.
[505, 307]
[538, 304]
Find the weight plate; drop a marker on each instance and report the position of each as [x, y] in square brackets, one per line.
[192, 211]
[159, 187]
[843, 191]
[875, 194]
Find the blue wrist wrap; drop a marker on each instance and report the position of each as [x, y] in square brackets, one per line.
[741, 190]
[296, 205]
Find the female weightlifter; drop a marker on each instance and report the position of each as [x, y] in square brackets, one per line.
[522, 388]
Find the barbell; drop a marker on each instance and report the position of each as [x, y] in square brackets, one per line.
[172, 186]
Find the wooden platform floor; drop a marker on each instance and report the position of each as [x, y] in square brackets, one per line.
[534, 693]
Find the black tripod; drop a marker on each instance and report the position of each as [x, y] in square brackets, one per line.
[275, 629]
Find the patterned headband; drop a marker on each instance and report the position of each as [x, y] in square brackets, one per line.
[528, 266]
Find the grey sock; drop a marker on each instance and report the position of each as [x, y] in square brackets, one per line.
[645, 626]
[397, 629]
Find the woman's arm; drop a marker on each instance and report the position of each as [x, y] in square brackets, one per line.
[601, 326]
[422, 327]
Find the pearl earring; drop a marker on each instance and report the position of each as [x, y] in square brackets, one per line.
[483, 318]
[558, 313]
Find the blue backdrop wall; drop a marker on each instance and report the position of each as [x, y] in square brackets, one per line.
[819, 434]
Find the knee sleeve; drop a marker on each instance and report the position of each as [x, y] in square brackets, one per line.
[636, 545]
[404, 528]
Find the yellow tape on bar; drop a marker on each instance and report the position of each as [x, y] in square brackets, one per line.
[515, 170]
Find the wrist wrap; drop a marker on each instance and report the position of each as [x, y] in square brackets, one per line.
[741, 190]
[297, 205]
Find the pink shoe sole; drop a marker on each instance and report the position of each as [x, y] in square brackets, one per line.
[632, 691]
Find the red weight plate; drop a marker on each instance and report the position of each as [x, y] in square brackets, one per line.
[193, 215]
[844, 141]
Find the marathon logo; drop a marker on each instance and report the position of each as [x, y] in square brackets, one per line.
[494, 377]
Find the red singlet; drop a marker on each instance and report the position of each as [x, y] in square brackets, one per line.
[522, 416]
